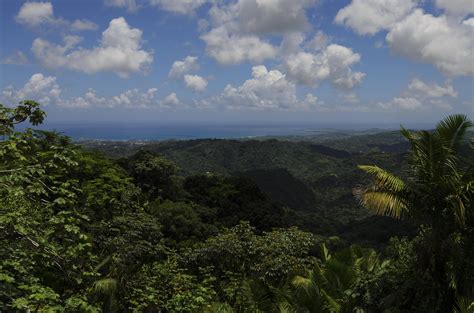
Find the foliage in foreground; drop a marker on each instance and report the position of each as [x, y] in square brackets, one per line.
[80, 233]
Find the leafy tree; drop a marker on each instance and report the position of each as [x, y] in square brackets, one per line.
[439, 193]
[235, 199]
[183, 222]
[47, 262]
[165, 287]
[26, 110]
[243, 261]
[154, 174]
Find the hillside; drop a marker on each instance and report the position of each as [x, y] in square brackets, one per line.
[324, 174]
[82, 232]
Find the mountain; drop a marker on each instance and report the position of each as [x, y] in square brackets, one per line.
[304, 175]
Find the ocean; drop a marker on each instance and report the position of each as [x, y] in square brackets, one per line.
[165, 131]
[114, 131]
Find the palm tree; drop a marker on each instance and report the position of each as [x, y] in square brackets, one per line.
[439, 190]
[438, 193]
[327, 287]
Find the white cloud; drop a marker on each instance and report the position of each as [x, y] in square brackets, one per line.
[36, 14]
[229, 48]
[80, 25]
[368, 17]
[402, 103]
[456, 7]
[134, 98]
[421, 95]
[43, 89]
[431, 90]
[195, 82]
[469, 22]
[332, 63]
[237, 28]
[265, 90]
[436, 40]
[180, 68]
[291, 43]
[186, 7]
[171, 100]
[18, 58]
[130, 5]
[271, 17]
[350, 97]
[47, 91]
[119, 52]
[319, 41]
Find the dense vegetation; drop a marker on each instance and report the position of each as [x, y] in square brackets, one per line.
[81, 232]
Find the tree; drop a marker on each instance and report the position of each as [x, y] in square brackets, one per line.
[328, 286]
[438, 193]
[46, 257]
[26, 110]
[154, 174]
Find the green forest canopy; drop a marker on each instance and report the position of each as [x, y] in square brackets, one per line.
[80, 232]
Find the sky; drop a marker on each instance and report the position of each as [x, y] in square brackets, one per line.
[241, 61]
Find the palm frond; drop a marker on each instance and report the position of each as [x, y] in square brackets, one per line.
[285, 307]
[384, 179]
[325, 252]
[332, 305]
[106, 286]
[384, 203]
[412, 137]
[463, 305]
[453, 128]
[301, 282]
[218, 307]
[459, 204]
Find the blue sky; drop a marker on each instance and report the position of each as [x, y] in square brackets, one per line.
[358, 61]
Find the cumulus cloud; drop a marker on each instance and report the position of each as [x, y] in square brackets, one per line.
[431, 90]
[469, 22]
[47, 91]
[237, 28]
[171, 100]
[349, 97]
[265, 90]
[43, 89]
[421, 95]
[401, 103]
[180, 68]
[442, 41]
[80, 25]
[130, 5]
[332, 63]
[119, 51]
[456, 7]
[195, 82]
[436, 40]
[228, 48]
[270, 17]
[35, 14]
[18, 58]
[368, 17]
[186, 7]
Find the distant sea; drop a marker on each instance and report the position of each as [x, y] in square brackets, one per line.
[156, 131]
[112, 131]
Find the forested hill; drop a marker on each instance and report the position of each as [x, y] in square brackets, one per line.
[310, 176]
[314, 173]
[236, 230]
